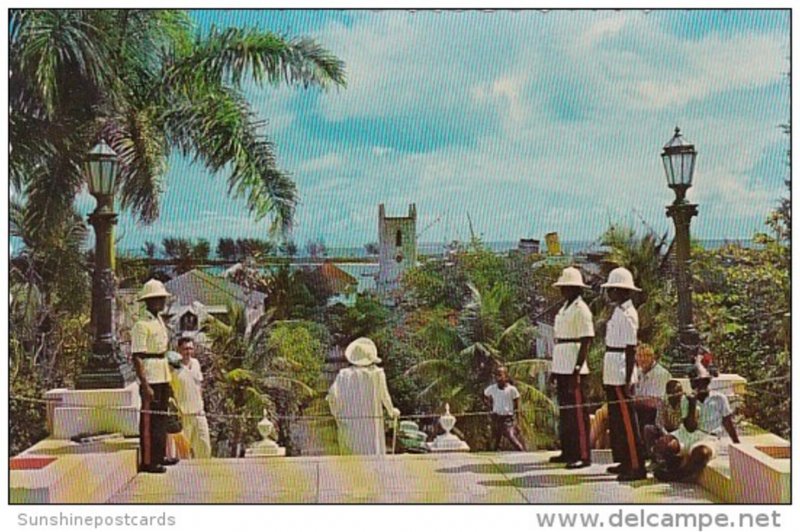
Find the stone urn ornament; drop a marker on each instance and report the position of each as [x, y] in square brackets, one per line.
[267, 446]
[447, 442]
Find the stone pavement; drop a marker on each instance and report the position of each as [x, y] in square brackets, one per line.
[510, 478]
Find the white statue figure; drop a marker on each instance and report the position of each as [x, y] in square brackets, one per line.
[356, 398]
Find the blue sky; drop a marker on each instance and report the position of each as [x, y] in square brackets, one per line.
[530, 122]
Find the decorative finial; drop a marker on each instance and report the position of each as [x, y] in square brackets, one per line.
[677, 131]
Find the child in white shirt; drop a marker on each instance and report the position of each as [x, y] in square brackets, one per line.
[504, 401]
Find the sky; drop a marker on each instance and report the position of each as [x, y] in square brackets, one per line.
[530, 122]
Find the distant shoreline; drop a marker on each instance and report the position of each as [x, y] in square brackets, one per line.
[360, 255]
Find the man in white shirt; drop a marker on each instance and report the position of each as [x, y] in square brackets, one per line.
[504, 402]
[187, 384]
[618, 376]
[707, 416]
[149, 342]
[574, 332]
[650, 387]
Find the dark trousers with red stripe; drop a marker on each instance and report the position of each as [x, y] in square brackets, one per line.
[153, 427]
[626, 443]
[573, 426]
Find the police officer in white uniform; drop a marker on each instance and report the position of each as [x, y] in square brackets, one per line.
[149, 342]
[618, 376]
[574, 332]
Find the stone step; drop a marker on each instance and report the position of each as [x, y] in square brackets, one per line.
[716, 478]
[82, 474]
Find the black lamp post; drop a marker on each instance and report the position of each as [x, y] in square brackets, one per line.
[679, 161]
[106, 367]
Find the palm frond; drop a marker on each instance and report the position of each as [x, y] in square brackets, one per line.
[521, 325]
[46, 43]
[142, 149]
[429, 367]
[288, 383]
[233, 53]
[536, 399]
[217, 127]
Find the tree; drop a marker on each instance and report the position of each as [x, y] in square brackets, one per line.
[366, 317]
[179, 250]
[273, 366]
[316, 248]
[226, 249]
[743, 300]
[482, 341]
[201, 250]
[148, 82]
[150, 249]
[49, 334]
[253, 248]
[780, 219]
[288, 248]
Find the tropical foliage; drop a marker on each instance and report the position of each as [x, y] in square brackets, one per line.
[149, 83]
[274, 367]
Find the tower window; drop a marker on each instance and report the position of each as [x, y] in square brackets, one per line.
[398, 238]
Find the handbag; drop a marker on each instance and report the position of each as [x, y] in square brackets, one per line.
[174, 424]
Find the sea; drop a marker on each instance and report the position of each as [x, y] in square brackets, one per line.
[575, 247]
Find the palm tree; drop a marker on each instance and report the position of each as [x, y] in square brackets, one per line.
[149, 83]
[150, 249]
[244, 377]
[487, 342]
[180, 251]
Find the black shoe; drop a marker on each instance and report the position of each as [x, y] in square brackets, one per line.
[153, 469]
[580, 464]
[615, 469]
[170, 461]
[628, 476]
[560, 459]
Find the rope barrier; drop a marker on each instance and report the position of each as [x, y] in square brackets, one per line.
[290, 418]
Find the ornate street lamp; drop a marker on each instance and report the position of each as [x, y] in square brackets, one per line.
[679, 158]
[106, 367]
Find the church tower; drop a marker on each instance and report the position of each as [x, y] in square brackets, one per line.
[397, 242]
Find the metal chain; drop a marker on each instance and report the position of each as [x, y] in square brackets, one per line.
[406, 416]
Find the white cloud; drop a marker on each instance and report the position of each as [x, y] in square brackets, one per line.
[603, 28]
[565, 115]
[711, 66]
[329, 161]
[380, 151]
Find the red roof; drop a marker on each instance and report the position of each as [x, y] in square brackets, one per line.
[337, 280]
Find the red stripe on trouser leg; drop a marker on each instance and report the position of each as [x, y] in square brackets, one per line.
[629, 436]
[146, 436]
[581, 426]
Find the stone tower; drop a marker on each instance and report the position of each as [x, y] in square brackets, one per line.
[397, 242]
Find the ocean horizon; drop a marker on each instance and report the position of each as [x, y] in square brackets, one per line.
[569, 247]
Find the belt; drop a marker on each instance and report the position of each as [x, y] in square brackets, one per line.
[149, 355]
[615, 349]
[568, 340]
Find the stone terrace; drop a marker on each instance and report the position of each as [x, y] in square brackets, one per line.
[515, 478]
